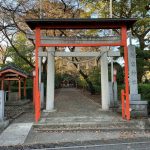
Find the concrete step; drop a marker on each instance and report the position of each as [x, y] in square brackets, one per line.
[89, 125]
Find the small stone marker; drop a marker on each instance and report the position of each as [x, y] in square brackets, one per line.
[113, 94]
[1, 105]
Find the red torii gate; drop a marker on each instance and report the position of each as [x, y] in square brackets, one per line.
[84, 23]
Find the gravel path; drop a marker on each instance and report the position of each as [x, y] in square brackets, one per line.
[70, 102]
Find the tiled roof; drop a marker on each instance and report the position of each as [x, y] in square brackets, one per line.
[15, 68]
[80, 23]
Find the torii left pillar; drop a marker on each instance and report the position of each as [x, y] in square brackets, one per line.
[104, 82]
[36, 80]
[50, 80]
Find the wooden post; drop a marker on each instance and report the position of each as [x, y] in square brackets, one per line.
[2, 84]
[19, 89]
[25, 93]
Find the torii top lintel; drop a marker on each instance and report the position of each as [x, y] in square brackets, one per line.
[82, 23]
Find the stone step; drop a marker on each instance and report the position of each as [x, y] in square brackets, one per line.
[89, 129]
[95, 125]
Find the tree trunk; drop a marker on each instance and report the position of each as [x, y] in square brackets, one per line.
[142, 43]
[90, 85]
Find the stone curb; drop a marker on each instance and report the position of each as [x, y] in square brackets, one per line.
[67, 144]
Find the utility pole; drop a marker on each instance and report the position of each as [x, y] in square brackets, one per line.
[129, 32]
[110, 8]
[40, 9]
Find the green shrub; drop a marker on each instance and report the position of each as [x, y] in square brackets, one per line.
[97, 88]
[144, 90]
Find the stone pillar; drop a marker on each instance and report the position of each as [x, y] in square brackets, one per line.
[42, 95]
[40, 70]
[104, 82]
[115, 93]
[40, 67]
[133, 74]
[2, 105]
[111, 83]
[50, 80]
[112, 69]
[111, 94]
[138, 107]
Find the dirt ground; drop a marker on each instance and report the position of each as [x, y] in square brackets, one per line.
[15, 110]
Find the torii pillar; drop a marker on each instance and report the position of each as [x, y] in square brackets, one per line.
[104, 82]
[50, 80]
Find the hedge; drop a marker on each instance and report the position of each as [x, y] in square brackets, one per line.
[143, 89]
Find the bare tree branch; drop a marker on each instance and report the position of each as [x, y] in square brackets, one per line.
[17, 52]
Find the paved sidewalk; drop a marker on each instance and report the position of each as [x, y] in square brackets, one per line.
[15, 134]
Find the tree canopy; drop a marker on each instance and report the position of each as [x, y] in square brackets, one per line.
[13, 28]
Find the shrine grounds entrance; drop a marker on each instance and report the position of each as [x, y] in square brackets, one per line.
[40, 24]
[75, 107]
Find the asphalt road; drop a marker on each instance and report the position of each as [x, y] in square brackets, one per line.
[117, 146]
